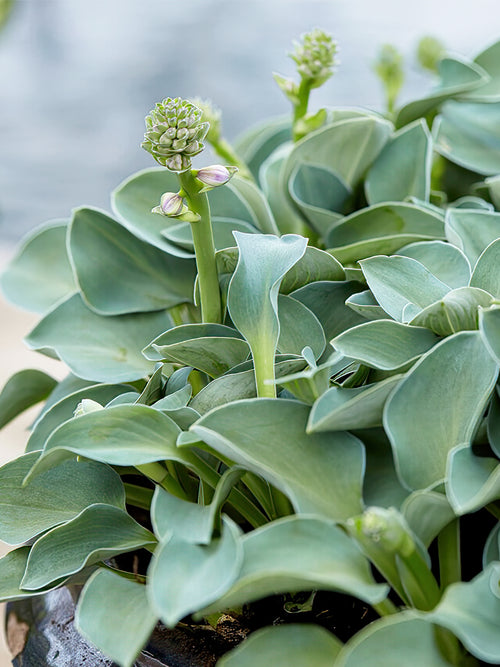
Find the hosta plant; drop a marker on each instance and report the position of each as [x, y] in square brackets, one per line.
[281, 406]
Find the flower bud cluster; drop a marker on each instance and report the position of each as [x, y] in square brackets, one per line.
[314, 56]
[174, 133]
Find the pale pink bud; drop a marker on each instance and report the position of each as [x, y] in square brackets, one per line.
[215, 175]
[171, 204]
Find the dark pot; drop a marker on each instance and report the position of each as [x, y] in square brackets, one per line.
[40, 633]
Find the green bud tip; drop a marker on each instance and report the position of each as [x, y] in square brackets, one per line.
[174, 133]
[85, 406]
[429, 52]
[315, 57]
[387, 528]
[215, 175]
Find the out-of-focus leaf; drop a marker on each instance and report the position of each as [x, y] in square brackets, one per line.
[21, 391]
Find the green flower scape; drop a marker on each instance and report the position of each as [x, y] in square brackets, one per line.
[291, 370]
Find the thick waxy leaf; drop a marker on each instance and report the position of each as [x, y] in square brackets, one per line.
[365, 304]
[489, 325]
[133, 199]
[256, 144]
[400, 640]
[119, 273]
[114, 614]
[54, 497]
[493, 424]
[291, 645]
[343, 409]
[43, 253]
[489, 61]
[300, 553]
[187, 521]
[444, 413]
[321, 473]
[486, 274]
[185, 577]
[211, 348]
[320, 194]
[222, 229]
[326, 299]
[65, 408]
[456, 311]
[384, 344]
[468, 135]
[382, 487]
[403, 168]
[21, 391]
[309, 384]
[472, 231]
[472, 612]
[299, 327]
[458, 76]
[346, 147]
[472, 481]
[493, 188]
[491, 551]
[110, 350]
[427, 513]
[99, 532]
[238, 384]
[443, 260]
[263, 262]
[121, 435]
[12, 568]
[382, 229]
[398, 281]
[258, 204]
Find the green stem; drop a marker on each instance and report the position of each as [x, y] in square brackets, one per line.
[224, 150]
[138, 496]
[385, 608]
[157, 473]
[450, 566]
[208, 280]
[300, 109]
[263, 364]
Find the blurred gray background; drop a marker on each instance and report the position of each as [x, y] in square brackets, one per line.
[78, 76]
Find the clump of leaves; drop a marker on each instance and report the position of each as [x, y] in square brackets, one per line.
[293, 375]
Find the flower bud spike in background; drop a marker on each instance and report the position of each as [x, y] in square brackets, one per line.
[389, 68]
[315, 59]
[174, 134]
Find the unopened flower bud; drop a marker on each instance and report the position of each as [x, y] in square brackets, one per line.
[174, 133]
[215, 175]
[429, 52]
[314, 56]
[387, 527]
[85, 406]
[171, 204]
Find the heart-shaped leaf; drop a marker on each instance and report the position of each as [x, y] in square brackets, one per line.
[21, 391]
[443, 260]
[486, 275]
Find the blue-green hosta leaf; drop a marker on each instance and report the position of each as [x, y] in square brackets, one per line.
[54, 497]
[472, 612]
[300, 553]
[109, 350]
[253, 291]
[365, 304]
[115, 615]
[320, 472]
[472, 231]
[239, 384]
[65, 408]
[403, 168]
[254, 198]
[344, 409]
[299, 327]
[382, 229]
[346, 147]
[12, 568]
[458, 76]
[184, 577]
[310, 383]
[255, 145]
[443, 397]
[292, 645]
[486, 273]
[456, 311]
[384, 344]
[398, 281]
[320, 194]
[222, 229]
[382, 487]
[42, 253]
[187, 521]
[211, 348]
[490, 90]
[122, 435]
[491, 550]
[427, 513]
[468, 134]
[175, 400]
[493, 424]
[472, 481]
[471, 201]
[97, 533]
[326, 299]
[401, 640]
[493, 188]
[443, 260]
[21, 391]
[119, 273]
[489, 325]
